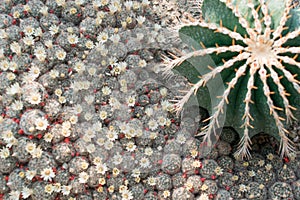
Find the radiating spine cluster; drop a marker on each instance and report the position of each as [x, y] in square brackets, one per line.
[263, 52]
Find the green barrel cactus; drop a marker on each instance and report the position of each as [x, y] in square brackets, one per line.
[252, 46]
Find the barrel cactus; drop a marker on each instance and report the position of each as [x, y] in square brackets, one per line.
[252, 46]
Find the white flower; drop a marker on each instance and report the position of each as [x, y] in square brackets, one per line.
[79, 67]
[70, 30]
[40, 53]
[112, 135]
[140, 20]
[151, 181]
[104, 2]
[90, 148]
[66, 125]
[106, 90]
[136, 5]
[48, 137]
[47, 174]
[204, 196]
[142, 63]
[89, 99]
[112, 9]
[27, 79]
[108, 145]
[7, 135]
[49, 44]
[127, 195]
[58, 92]
[28, 40]
[149, 111]
[128, 5]
[54, 73]
[112, 61]
[148, 151]
[90, 133]
[10, 76]
[49, 188]
[162, 120]
[34, 71]
[60, 2]
[53, 29]
[145, 162]
[16, 48]
[44, 10]
[17, 105]
[84, 165]
[130, 101]
[79, 2]
[14, 195]
[30, 174]
[4, 152]
[83, 177]
[77, 109]
[97, 161]
[166, 105]
[34, 98]
[73, 119]
[3, 34]
[152, 124]
[65, 132]
[92, 71]
[38, 32]
[73, 39]
[166, 193]
[139, 36]
[60, 54]
[117, 159]
[243, 188]
[13, 66]
[130, 132]
[103, 115]
[114, 103]
[11, 142]
[37, 153]
[153, 135]
[41, 123]
[251, 173]
[101, 168]
[89, 44]
[26, 192]
[145, 2]
[4, 65]
[66, 189]
[136, 173]
[115, 38]
[102, 37]
[62, 99]
[28, 30]
[180, 139]
[130, 146]
[218, 170]
[30, 147]
[56, 187]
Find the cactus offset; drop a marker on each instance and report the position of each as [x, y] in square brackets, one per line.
[254, 46]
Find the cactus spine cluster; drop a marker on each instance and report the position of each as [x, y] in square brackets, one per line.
[254, 46]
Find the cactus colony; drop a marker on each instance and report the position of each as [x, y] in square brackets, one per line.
[253, 45]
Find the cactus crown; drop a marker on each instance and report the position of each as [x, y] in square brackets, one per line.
[253, 46]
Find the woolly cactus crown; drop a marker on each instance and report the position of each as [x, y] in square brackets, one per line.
[253, 46]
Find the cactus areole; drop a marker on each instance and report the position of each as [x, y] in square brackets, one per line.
[252, 46]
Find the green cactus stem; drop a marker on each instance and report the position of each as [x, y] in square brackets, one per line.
[253, 46]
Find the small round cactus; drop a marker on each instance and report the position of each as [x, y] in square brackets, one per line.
[244, 68]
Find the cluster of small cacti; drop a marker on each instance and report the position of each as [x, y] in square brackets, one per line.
[243, 68]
